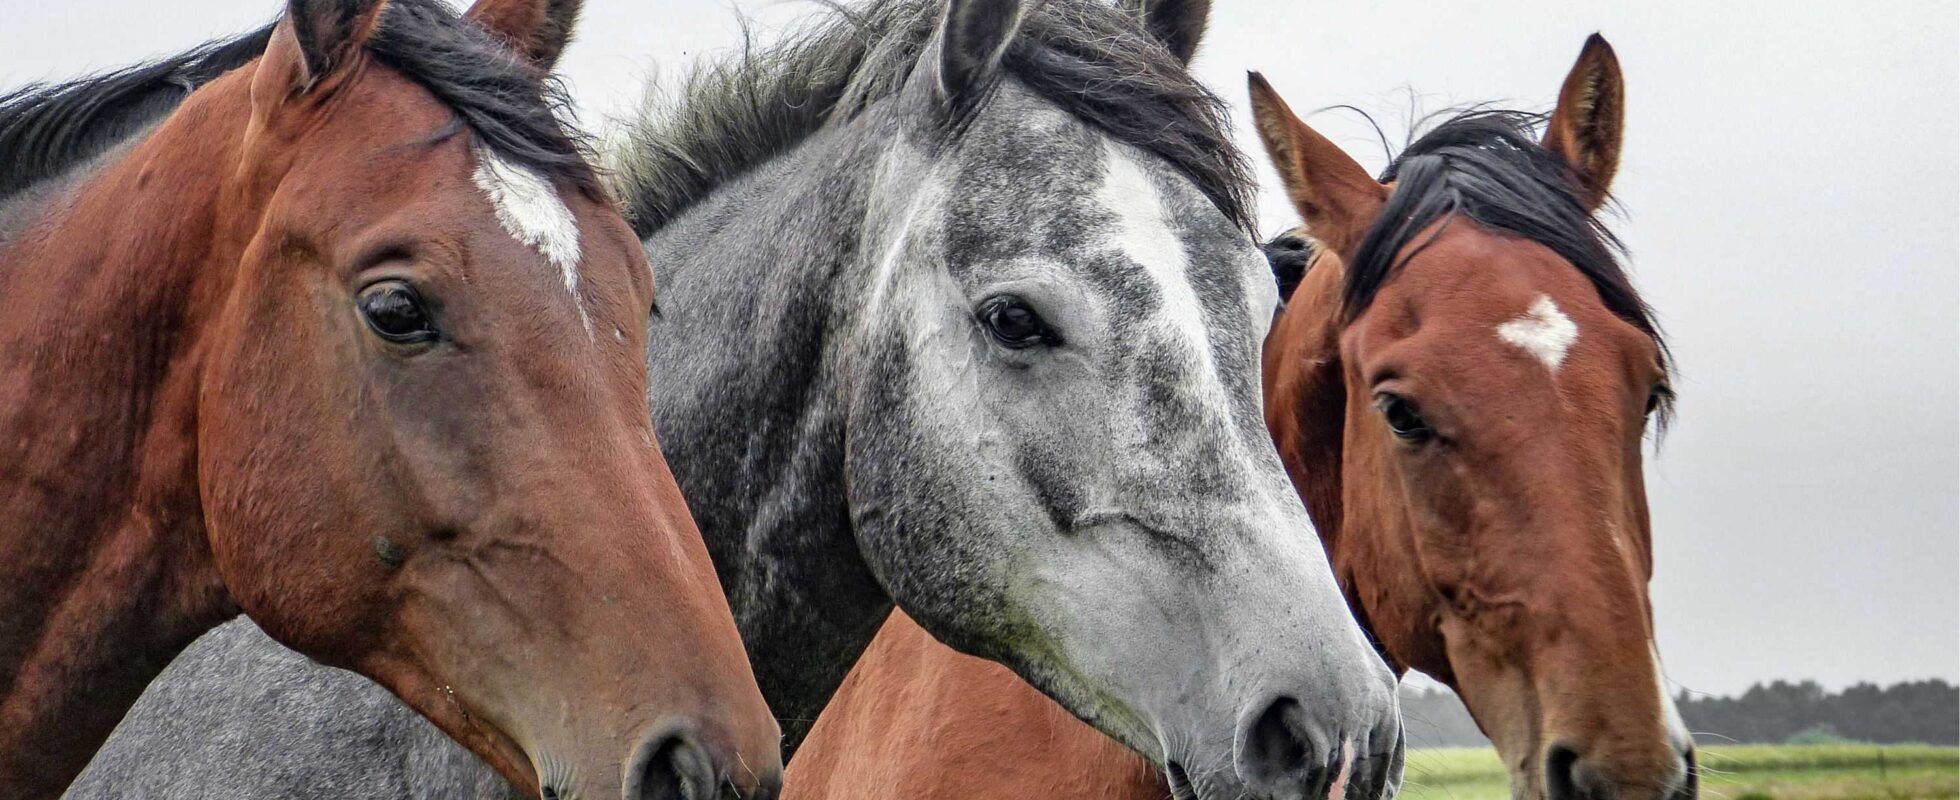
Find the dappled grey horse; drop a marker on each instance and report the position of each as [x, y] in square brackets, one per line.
[958, 309]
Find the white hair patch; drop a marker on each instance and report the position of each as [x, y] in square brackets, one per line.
[530, 210]
[1143, 233]
[1544, 331]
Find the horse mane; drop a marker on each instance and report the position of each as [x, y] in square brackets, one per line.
[1093, 60]
[1489, 167]
[516, 112]
[46, 129]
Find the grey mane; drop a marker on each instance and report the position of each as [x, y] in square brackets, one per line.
[1093, 62]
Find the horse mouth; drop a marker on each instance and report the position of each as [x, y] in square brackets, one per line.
[1181, 788]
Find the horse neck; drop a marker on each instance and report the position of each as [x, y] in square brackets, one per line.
[1307, 409]
[757, 286]
[20, 210]
[107, 573]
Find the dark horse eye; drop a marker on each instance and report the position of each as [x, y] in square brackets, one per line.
[1012, 323]
[396, 313]
[1403, 418]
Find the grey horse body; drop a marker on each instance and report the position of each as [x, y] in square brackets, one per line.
[238, 716]
[1103, 512]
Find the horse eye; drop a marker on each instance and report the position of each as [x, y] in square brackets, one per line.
[1403, 418]
[1014, 325]
[395, 312]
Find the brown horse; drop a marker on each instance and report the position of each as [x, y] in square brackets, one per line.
[349, 341]
[1460, 389]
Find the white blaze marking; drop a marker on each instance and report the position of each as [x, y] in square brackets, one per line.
[1543, 331]
[1146, 237]
[1677, 730]
[530, 210]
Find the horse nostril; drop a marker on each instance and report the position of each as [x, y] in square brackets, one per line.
[1275, 737]
[1278, 753]
[669, 767]
[1560, 764]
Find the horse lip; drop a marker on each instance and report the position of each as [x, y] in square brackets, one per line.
[1180, 784]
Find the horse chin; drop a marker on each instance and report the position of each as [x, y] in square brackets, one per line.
[440, 704]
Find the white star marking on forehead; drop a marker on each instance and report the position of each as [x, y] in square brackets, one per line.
[530, 210]
[1544, 331]
[1142, 232]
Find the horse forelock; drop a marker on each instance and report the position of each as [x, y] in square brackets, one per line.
[1092, 60]
[1486, 166]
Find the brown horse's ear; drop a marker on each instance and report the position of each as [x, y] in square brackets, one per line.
[315, 38]
[972, 38]
[537, 30]
[1178, 24]
[1336, 198]
[1586, 127]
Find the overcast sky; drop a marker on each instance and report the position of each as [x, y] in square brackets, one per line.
[1793, 207]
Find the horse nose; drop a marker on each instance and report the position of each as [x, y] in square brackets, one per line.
[1568, 776]
[673, 764]
[1285, 753]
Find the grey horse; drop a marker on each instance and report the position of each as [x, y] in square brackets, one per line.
[959, 310]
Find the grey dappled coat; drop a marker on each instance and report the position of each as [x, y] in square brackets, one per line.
[167, 746]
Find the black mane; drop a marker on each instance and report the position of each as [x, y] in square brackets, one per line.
[1091, 58]
[508, 106]
[48, 129]
[1488, 166]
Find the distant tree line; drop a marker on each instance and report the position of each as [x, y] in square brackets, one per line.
[1926, 712]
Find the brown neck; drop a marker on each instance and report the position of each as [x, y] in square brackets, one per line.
[107, 572]
[1305, 394]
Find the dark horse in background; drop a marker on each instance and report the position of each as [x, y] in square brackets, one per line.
[349, 340]
[960, 311]
[1463, 410]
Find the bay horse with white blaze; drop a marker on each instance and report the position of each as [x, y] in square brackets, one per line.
[961, 312]
[349, 339]
[1463, 410]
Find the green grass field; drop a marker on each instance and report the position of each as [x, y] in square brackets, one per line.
[1754, 772]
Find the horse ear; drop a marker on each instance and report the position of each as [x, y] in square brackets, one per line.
[1178, 24]
[537, 30]
[972, 38]
[327, 33]
[1586, 127]
[1336, 197]
[315, 38]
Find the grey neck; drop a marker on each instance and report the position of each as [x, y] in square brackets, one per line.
[748, 394]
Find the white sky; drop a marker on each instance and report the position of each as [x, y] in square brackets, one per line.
[1792, 189]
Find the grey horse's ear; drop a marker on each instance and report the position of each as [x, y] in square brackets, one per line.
[537, 30]
[972, 38]
[1178, 24]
